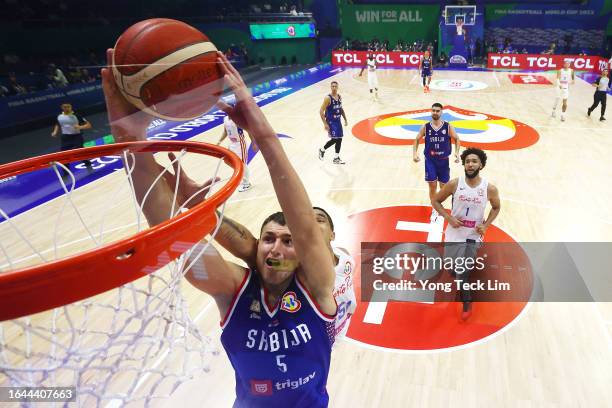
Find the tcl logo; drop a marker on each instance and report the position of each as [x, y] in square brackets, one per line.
[539, 62]
[383, 59]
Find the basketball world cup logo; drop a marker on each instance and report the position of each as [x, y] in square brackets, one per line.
[290, 302]
[476, 129]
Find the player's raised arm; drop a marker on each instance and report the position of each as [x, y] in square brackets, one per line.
[213, 276]
[317, 269]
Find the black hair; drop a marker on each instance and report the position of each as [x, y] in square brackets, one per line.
[473, 150]
[329, 219]
[334, 82]
[278, 217]
[437, 105]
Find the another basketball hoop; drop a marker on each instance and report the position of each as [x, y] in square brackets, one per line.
[60, 323]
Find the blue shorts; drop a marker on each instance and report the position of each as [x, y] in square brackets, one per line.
[437, 170]
[335, 130]
[426, 73]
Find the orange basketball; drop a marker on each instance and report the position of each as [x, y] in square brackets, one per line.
[168, 69]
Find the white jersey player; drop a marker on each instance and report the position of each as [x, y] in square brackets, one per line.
[466, 223]
[372, 77]
[238, 146]
[564, 76]
[344, 292]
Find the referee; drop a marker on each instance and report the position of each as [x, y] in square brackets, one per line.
[71, 125]
[601, 84]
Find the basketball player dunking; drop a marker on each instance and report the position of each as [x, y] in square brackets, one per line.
[466, 221]
[372, 77]
[277, 318]
[564, 76]
[241, 243]
[438, 134]
[330, 112]
[426, 69]
[238, 146]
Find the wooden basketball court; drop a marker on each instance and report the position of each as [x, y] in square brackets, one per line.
[554, 190]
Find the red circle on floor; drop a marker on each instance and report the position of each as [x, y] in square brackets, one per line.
[407, 325]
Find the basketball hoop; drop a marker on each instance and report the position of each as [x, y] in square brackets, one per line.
[142, 320]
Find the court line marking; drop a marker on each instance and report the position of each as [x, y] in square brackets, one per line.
[496, 80]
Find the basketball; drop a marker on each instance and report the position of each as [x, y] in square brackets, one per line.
[168, 69]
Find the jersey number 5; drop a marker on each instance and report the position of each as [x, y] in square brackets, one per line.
[281, 366]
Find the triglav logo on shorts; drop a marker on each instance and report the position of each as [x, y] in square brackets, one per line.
[476, 129]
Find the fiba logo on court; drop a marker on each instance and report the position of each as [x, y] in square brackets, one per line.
[418, 319]
[457, 85]
[458, 59]
[482, 130]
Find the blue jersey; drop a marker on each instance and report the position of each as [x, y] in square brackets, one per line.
[333, 110]
[426, 67]
[280, 353]
[437, 141]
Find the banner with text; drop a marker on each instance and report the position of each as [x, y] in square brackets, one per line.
[568, 16]
[387, 22]
[383, 59]
[538, 62]
[18, 109]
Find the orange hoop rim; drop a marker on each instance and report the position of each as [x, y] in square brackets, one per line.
[63, 281]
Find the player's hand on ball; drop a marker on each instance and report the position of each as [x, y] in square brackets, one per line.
[127, 122]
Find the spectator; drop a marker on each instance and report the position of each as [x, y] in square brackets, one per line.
[86, 77]
[3, 91]
[59, 79]
[15, 88]
[293, 11]
[442, 59]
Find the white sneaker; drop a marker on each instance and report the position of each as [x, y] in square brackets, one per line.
[244, 187]
[553, 114]
[562, 118]
[338, 160]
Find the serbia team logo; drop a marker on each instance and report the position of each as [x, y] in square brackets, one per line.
[482, 130]
[423, 321]
[290, 303]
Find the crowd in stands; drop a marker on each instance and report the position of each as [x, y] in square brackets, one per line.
[45, 12]
[21, 76]
[382, 46]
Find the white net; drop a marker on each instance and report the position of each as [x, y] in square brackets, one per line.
[129, 346]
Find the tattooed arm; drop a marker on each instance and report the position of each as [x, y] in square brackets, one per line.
[237, 239]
